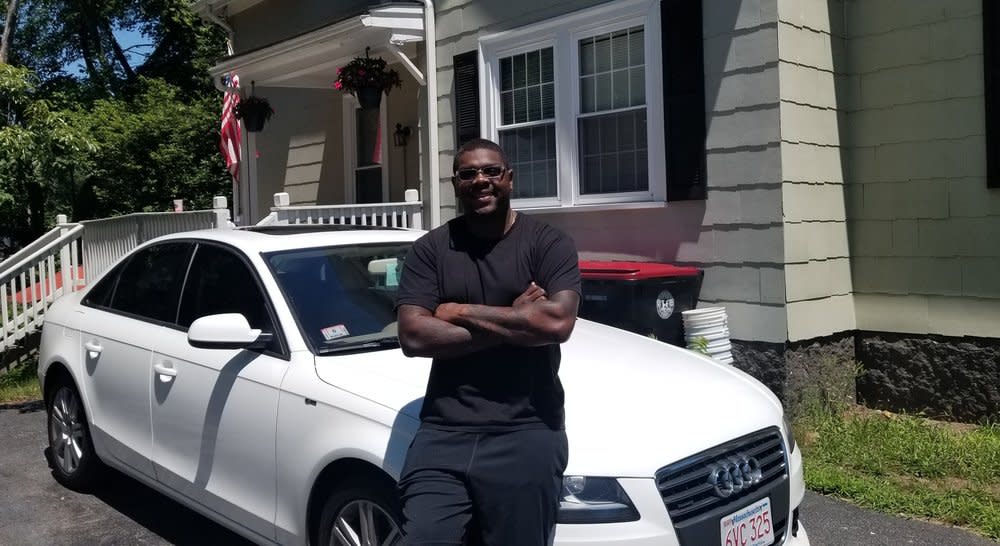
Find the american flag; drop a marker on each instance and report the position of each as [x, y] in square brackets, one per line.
[229, 144]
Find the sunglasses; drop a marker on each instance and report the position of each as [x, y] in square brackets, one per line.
[469, 174]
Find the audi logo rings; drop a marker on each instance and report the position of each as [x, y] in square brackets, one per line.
[734, 474]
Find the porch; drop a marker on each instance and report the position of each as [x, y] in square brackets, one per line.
[321, 147]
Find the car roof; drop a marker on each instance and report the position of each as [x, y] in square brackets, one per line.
[257, 239]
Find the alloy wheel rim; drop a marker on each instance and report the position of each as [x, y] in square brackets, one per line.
[364, 523]
[66, 431]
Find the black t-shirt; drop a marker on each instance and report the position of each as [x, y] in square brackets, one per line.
[505, 387]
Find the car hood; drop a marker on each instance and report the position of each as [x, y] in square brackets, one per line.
[633, 404]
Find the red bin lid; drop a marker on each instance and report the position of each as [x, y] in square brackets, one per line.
[633, 271]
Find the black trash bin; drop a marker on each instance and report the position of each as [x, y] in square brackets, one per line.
[642, 297]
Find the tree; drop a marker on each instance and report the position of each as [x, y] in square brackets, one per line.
[39, 151]
[10, 23]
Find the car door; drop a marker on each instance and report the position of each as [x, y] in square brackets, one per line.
[215, 410]
[123, 314]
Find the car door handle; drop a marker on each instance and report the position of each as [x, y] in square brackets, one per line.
[93, 348]
[166, 371]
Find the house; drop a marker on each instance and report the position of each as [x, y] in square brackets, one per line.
[833, 165]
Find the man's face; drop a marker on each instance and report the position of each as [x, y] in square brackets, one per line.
[479, 192]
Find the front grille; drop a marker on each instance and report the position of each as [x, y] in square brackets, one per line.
[688, 494]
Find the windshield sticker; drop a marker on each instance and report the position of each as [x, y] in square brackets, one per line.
[391, 274]
[331, 333]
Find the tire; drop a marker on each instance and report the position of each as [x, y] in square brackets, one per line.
[376, 500]
[71, 450]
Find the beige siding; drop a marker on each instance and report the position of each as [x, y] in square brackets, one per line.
[923, 225]
[817, 265]
[736, 233]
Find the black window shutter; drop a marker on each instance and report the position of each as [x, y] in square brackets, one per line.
[684, 98]
[466, 97]
[991, 58]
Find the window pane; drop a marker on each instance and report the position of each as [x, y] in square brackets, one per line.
[368, 133]
[533, 68]
[532, 155]
[620, 86]
[519, 71]
[619, 50]
[520, 106]
[636, 53]
[546, 65]
[603, 53]
[527, 98]
[590, 137]
[612, 154]
[603, 99]
[150, 284]
[506, 74]
[548, 101]
[637, 86]
[588, 102]
[587, 58]
[534, 103]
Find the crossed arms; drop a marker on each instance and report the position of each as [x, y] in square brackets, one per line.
[455, 329]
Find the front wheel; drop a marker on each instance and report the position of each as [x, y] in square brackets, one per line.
[360, 514]
[74, 463]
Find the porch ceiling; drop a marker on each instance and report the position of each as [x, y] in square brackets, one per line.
[311, 60]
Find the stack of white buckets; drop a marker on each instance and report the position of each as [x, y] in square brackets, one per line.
[711, 324]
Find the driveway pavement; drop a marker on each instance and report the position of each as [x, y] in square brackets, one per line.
[35, 510]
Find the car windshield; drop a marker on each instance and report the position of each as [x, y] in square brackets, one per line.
[343, 296]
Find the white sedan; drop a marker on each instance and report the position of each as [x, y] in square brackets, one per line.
[255, 376]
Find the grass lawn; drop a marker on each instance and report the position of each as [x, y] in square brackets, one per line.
[905, 465]
[20, 384]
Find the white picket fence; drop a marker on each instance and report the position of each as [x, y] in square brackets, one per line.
[62, 260]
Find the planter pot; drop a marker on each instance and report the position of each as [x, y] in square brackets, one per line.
[369, 97]
[253, 119]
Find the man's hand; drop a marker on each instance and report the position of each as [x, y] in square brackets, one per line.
[448, 312]
[532, 294]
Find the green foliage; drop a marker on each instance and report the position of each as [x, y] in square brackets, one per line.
[905, 464]
[115, 138]
[152, 147]
[20, 383]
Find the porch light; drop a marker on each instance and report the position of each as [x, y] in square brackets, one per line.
[401, 134]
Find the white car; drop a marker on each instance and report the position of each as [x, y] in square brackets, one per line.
[255, 376]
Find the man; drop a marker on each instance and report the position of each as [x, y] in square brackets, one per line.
[490, 296]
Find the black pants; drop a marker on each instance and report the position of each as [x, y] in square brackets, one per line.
[494, 489]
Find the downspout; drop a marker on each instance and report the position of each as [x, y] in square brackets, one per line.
[434, 168]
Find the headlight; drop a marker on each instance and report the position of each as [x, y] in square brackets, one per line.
[788, 434]
[594, 500]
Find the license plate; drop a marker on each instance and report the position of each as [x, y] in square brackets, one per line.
[750, 526]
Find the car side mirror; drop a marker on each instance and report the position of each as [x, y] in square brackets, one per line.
[226, 331]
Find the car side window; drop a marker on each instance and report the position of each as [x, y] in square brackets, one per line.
[220, 282]
[150, 283]
[100, 294]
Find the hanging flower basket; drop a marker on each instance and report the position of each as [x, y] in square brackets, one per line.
[254, 112]
[367, 78]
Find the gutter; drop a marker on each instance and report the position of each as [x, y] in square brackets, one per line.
[434, 165]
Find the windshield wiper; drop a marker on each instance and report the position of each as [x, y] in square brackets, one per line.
[388, 342]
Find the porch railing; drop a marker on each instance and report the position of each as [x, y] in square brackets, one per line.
[62, 260]
[406, 214]
[105, 241]
[33, 278]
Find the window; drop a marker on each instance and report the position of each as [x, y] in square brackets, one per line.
[220, 282]
[569, 100]
[150, 282]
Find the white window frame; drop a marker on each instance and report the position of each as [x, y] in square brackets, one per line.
[563, 35]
